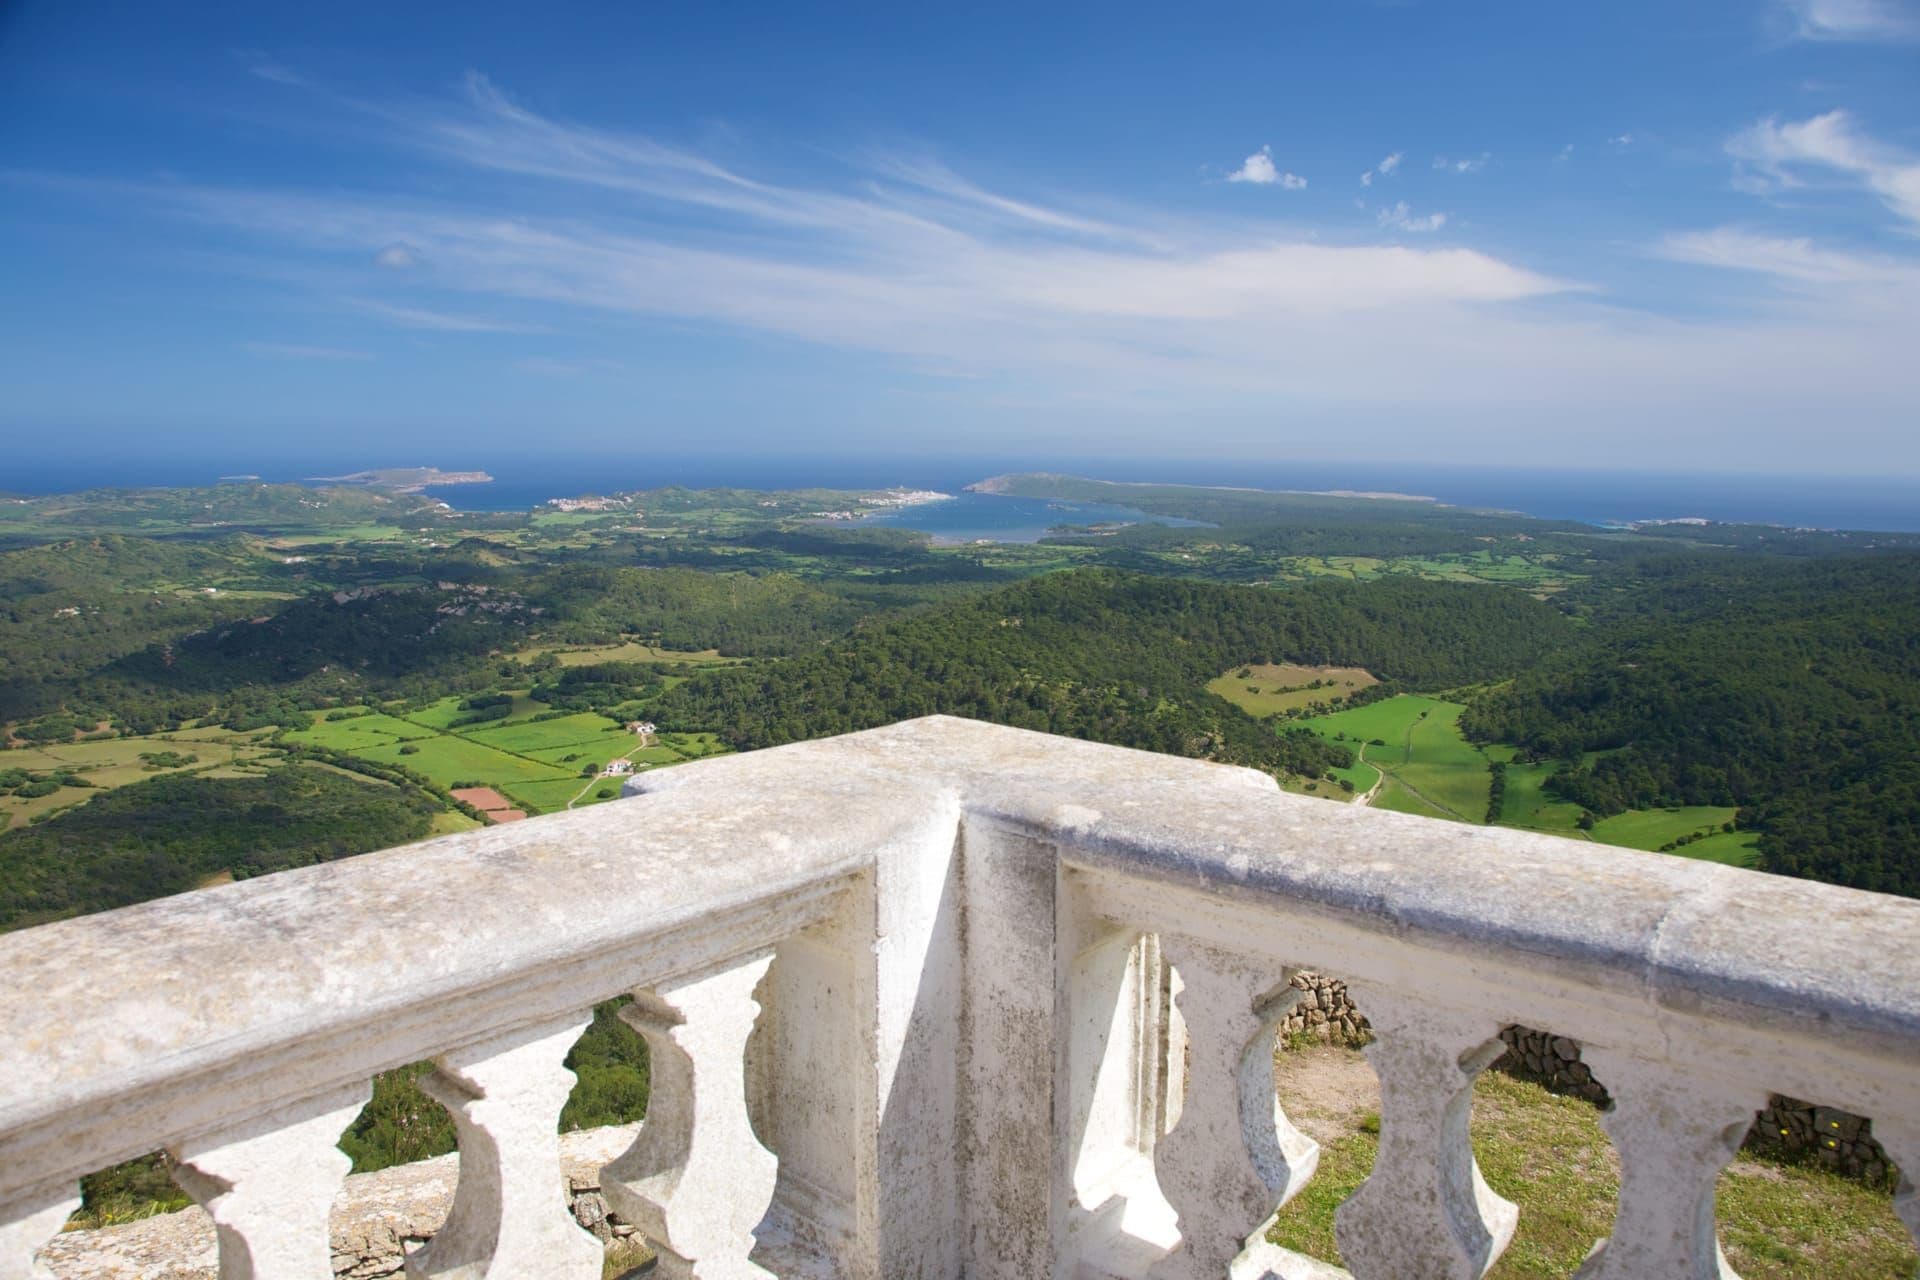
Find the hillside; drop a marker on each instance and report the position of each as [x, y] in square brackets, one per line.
[170, 834]
[1125, 659]
[1790, 690]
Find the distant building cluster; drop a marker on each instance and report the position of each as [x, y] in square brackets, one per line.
[589, 504]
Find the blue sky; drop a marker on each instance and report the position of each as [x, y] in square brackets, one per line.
[1534, 234]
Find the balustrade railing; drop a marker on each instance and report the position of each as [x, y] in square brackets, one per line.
[945, 999]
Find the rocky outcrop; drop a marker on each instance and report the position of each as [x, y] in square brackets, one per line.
[378, 1218]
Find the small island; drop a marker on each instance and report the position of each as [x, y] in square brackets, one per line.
[405, 479]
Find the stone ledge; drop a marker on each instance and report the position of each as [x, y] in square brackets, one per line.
[378, 1217]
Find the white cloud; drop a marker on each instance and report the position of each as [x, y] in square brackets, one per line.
[1622, 140]
[1795, 259]
[1464, 164]
[1565, 154]
[1130, 313]
[1852, 19]
[1260, 170]
[1402, 218]
[304, 351]
[1384, 169]
[396, 257]
[1777, 156]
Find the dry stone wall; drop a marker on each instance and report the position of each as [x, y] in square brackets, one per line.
[1324, 1012]
[1836, 1139]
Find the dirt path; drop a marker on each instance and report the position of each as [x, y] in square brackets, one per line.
[596, 779]
[1406, 756]
[1325, 1091]
[1379, 775]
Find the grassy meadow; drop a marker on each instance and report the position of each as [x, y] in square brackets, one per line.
[1262, 689]
[1549, 1155]
[101, 764]
[1429, 768]
[1413, 747]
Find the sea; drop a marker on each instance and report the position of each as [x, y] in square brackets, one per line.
[1597, 497]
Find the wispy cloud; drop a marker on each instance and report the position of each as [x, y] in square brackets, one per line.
[1402, 218]
[1775, 156]
[1797, 259]
[1852, 19]
[1384, 169]
[1074, 301]
[262, 67]
[1463, 164]
[439, 321]
[304, 351]
[1260, 170]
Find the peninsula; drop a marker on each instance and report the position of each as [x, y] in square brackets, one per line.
[405, 479]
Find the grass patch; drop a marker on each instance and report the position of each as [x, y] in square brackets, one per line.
[1651, 828]
[1734, 848]
[1262, 689]
[371, 730]
[539, 735]
[1548, 1154]
[1430, 768]
[552, 797]
[1525, 802]
[632, 651]
[1395, 797]
[608, 746]
[447, 713]
[449, 760]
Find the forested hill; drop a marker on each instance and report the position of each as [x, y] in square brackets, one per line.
[1791, 690]
[168, 834]
[1121, 658]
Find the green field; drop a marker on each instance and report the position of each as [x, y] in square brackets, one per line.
[543, 735]
[449, 760]
[1430, 768]
[605, 747]
[447, 712]
[371, 730]
[1651, 828]
[1525, 802]
[1735, 848]
[552, 797]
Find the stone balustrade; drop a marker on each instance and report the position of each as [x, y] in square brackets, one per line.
[943, 1000]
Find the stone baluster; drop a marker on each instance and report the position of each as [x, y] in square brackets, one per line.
[1900, 1136]
[509, 1216]
[1232, 1158]
[269, 1185]
[25, 1230]
[1425, 1210]
[1674, 1133]
[696, 1182]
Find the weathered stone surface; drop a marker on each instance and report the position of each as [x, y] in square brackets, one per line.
[377, 1217]
[944, 857]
